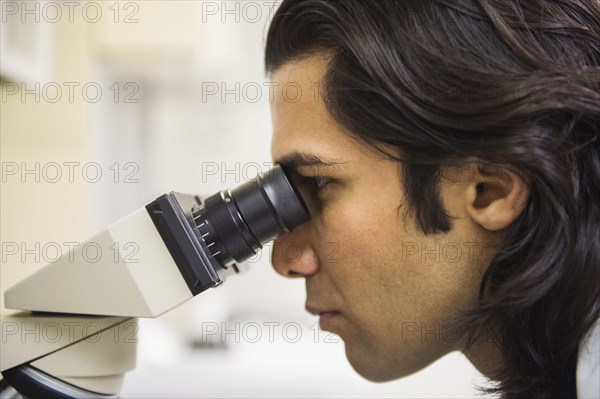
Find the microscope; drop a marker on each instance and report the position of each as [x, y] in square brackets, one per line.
[75, 334]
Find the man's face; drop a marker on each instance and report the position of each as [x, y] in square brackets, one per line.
[384, 287]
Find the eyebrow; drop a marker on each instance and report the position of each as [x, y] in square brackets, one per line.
[295, 160]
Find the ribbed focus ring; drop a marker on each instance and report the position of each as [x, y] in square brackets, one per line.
[228, 226]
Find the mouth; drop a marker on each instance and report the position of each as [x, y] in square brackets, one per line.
[326, 317]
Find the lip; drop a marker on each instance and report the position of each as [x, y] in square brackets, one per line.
[326, 317]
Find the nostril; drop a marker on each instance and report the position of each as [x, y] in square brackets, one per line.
[293, 273]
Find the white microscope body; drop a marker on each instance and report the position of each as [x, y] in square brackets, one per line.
[75, 336]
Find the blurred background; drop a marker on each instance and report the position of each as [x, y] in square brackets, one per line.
[105, 106]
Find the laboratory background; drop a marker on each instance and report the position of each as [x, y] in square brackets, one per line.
[107, 105]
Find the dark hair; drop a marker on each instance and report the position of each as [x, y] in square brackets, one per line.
[508, 82]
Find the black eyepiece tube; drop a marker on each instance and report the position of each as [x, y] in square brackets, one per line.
[236, 223]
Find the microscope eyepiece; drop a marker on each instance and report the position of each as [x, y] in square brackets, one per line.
[235, 223]
[207, 238]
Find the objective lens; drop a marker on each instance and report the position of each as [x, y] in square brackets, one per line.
[235, 224]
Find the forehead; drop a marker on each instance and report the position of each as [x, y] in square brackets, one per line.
[301, 122]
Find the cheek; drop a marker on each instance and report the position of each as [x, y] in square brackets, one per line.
[381, 268]
[357, 249]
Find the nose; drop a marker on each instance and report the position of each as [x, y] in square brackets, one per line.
[293, 254]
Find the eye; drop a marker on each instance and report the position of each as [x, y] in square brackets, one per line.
[318, 183]
[314, 188]
[315, 184]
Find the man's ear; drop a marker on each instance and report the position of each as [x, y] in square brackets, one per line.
[496, 196]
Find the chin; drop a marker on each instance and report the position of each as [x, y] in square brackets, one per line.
[379, 369]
